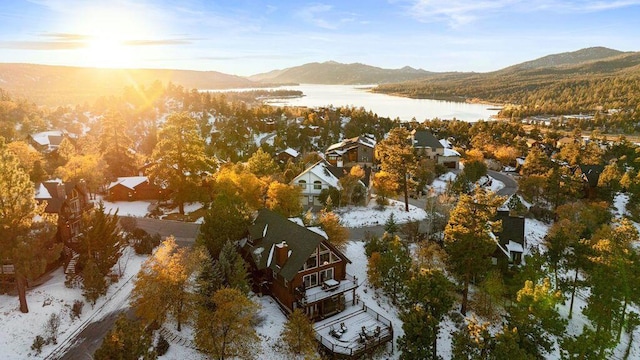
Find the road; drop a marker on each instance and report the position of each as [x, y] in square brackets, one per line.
[90, 338]
[510, 184]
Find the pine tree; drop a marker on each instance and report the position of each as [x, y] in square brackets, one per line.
[226, 220]
[179, 159]
[231, 269]
[398, 160]
[100, 240]
[392, 268]
[227, 331]
[116, 146]
[23, 239]
[94, 284]
[298, 337]
[261, 164]
[391, 226]
[427, 301]
[468, 240]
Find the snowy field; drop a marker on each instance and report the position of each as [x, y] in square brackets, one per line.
[372, 215]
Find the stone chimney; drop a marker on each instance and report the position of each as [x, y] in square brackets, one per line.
[282, 253]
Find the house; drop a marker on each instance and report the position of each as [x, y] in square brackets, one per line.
[300, 269]
[287, 154]
[510, 240]
[69, 201]
[450, 158]
[47, 141]
[296, 265]
[321, 176]
[350, 152]
[564, 141]
[590, 174]
[426, 144]
[133, 188]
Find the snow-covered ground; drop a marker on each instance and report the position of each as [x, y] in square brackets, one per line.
[53, 297]
[128, 208]
[371, 215]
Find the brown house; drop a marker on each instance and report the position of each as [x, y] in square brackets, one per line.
[350, 152]
[70, 201]
[134, 188]
[297, 266]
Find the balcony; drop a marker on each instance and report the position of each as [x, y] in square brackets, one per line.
[329, 289]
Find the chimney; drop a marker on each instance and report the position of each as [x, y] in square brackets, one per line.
[282, 253]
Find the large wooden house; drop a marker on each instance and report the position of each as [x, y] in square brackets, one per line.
[133, 188]
[297, 266]
[350, 152]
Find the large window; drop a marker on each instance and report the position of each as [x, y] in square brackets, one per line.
[310, 280]
[326, 274]
[312, 262]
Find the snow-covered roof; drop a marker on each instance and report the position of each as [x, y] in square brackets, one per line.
[43, 137]
[450, 152]
[297, 221]
[42, 193]
[291, 152]
[446, 143]
[129, 182]
[513, 246]
[319, 231]
[320, 170]
[364, 140]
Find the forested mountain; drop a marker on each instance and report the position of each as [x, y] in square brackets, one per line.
[582, 82]
[332, 72]
[58, 85]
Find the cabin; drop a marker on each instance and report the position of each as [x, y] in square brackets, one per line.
[47, 141]
[286, 155]
[296, 265]
[70, 201]
[359, 150]
[134, 188]
[590, 175]
[510, 241]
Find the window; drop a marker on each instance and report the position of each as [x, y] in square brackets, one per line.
[302, 184]
[324, 258]
[334, 258]
[317, 185]
[326, 275]
[310, 280]
[312, 262]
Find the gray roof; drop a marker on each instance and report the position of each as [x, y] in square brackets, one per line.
[270, 228]
[512, 228]
[424, 138]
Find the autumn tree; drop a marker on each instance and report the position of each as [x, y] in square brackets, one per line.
[338, 235]
[128, 340]
[398, 160]
[468, 237]
[237, 180]
[298, 337]
[87, 167]
[284, 199]
[227, 331]
[352, 189]
[385, 187]
[179, 160]
[161, 288]
[28, 157]
[25, 231]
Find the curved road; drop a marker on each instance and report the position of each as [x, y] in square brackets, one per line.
[510, 184]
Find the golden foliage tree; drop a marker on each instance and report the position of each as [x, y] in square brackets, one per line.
[227, 332]
[284, 199]
[298, 337]
[338, 234]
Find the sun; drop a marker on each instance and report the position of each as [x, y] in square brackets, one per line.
[109, 35]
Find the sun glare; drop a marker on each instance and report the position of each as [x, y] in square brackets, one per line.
[108, 32]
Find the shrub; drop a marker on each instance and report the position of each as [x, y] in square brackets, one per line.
[37, 345]
[162, 346]
[142, 242]
[51, 329]
[76, 309]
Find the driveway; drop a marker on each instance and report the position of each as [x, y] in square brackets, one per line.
[184, 232]
[510, 184]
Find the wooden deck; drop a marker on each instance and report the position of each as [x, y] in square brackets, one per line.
[358, 330]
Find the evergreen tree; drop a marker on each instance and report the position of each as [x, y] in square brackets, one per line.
[427, 300]
[398, 160]
[100, 240]
[227, 331]
[468, 240]
[179, 160]
[391, 226]
[116, 146]
[94, 284]
[226, 220]
[23, 239]
[298, 337]
[231, 269]
[261, 164]
[392, 269]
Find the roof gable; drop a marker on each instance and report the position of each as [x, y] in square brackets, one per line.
[129, 182]
[321, 171]
[424, 138]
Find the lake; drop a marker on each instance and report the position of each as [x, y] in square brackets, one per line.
[384, 105]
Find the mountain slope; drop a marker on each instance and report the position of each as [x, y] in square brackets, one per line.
[55, 84]
[332, 72]
[578, 57]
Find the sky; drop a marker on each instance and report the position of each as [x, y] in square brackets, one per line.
[246, 37]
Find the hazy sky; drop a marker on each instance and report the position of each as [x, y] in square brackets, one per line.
[246, 37]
